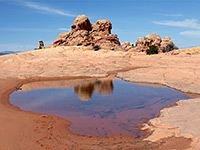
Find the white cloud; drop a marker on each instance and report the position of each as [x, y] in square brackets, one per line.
[169, 15]
[26, 30]
[191, 33]
[174, 15]
[187, 23]
[43, 8]
[63, 29]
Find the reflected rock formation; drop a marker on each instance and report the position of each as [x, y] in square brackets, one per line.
[85, 91]
[104, 87]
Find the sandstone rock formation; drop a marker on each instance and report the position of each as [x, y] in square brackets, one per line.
[142, 44]
[41, 45]
[127, 46]
[84, 33]
[166, 41]
[153, 39]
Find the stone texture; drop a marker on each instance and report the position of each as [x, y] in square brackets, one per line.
[41, 45]
[142, 44]
[81, 23]
[102, 27]
[84, 33]
[153, 39]
[127, 46]
[166, 41]
[176, 71]
[181, 120]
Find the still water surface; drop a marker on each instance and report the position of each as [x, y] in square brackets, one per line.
[97, 107]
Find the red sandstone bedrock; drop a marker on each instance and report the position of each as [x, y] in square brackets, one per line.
[27, 130]
[19, 127]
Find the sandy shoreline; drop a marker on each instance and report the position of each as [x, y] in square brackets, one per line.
[28, 130]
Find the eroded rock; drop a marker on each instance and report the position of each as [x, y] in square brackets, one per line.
[127, 46]
[81, 23]
[142, 44]
[41, 45]
[166, 41]
[84, 33]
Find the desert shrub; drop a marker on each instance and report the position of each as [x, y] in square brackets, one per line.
[152, 50]
[169, 47]
[96, 47]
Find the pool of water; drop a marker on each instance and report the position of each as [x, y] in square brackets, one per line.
[97, 107]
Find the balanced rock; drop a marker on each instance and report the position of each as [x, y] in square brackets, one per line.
[84, 33]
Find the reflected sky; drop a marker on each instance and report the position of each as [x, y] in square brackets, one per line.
[96, 107]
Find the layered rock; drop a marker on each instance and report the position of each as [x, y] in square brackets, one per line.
[84, 33]
[166, 41]
[142, 44]
[127, 46]
[153, 39]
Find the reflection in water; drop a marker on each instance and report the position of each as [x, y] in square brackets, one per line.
[81, 102]
[85, 91]
[104, 87]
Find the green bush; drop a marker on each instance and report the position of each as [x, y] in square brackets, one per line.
[96, 47]
[152, 50]
[169, 47]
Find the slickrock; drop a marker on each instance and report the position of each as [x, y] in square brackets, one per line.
[181, 72]
[181, 120]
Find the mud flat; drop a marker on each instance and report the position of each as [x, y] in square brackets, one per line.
[27, 130]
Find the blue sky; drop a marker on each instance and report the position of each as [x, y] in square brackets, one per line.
[25, 22]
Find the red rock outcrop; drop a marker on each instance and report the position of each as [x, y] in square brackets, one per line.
[142, 44]
[166, 41]
[41, 45]
[127, 46]
[84, 33]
